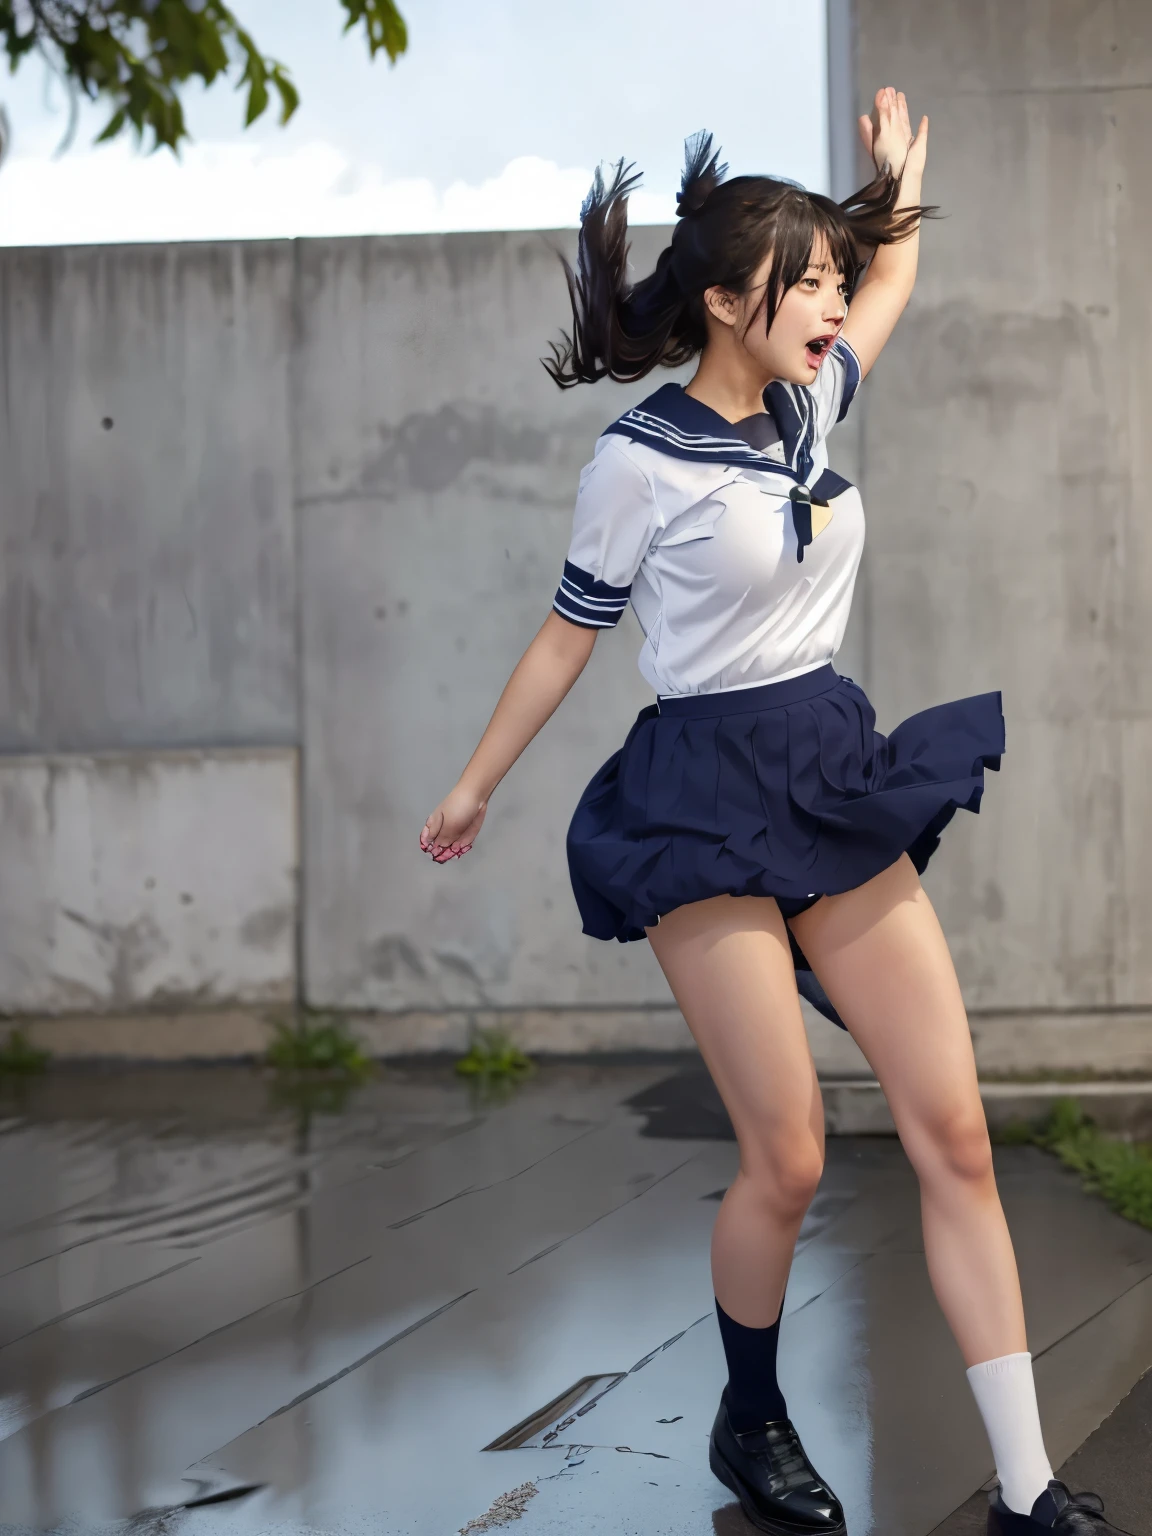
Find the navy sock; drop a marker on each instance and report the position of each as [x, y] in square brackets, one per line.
[753, 1394]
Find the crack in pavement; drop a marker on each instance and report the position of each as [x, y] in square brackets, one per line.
[86, 1306]
[212, 1333]
[371, 1355]
[479, 1189]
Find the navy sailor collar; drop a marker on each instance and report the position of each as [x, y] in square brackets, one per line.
[675, 423]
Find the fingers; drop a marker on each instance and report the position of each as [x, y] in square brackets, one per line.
[459, 846]
[430, 838]
[891, 109]
[431, 829]
[881, 119]
[442, 852]
[446, 855]
[865, 126]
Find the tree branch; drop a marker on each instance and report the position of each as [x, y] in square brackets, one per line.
[137, 55]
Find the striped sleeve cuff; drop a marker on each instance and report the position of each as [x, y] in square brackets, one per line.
[581, 599]
[851, 375]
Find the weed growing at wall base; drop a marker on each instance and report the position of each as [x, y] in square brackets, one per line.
[1120, 1171]
[20, 1058]
[319, 1046]
[494, 1058]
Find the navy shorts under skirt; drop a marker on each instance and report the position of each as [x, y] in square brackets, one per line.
[784, 790]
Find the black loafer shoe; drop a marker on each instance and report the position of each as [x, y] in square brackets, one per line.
[1056, 1512]
[778, 1487]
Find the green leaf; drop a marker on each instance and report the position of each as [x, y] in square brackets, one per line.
[289, 96]
[257, 95]
[113, 126]
[256, 76]
[385, 27]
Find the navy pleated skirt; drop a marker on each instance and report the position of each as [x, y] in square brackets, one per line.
[784, 790]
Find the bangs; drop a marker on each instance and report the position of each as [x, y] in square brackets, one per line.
[829, 221]
[802, 222]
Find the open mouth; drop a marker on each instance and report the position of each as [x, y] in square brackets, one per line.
[816, 348]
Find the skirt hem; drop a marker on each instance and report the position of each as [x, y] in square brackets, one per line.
[804, 796]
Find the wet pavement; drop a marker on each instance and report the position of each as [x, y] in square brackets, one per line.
[207, 1288]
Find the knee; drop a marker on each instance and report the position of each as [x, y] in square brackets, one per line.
[784, 1177]
[955, 1146]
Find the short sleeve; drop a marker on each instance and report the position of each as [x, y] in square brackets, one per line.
[612, 526]
[837, 380]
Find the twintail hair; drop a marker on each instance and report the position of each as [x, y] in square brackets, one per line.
[724, 231]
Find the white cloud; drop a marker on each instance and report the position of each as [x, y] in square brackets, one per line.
[246, 191]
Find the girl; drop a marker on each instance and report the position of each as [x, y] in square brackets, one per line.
[755, 827]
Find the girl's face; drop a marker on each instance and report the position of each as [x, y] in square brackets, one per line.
[806, 323]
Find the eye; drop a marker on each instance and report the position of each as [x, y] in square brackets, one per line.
[810, 282]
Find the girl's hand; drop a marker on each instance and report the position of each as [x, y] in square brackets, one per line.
[543, 676]
[449, 831]
[887, 135]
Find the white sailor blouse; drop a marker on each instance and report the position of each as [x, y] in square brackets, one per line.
[735, 543]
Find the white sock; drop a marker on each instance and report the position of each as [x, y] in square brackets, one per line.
[1006, 1397]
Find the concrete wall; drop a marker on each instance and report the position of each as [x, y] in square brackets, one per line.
[148, 586]
[143, 879]
[1007, 478]
[335, 493]
[239, 477]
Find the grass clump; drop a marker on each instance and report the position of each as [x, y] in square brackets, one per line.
[494, 1058]
[320, 1045]
[1119, 1171]
[20, 1058]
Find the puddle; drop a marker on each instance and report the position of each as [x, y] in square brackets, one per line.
[683, 1107]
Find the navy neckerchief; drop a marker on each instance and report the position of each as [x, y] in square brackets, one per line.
[675, 423]
[685, 428]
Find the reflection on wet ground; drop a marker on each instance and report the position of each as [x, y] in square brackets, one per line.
[223, 1312]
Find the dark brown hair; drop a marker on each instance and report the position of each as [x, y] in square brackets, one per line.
[725, 230]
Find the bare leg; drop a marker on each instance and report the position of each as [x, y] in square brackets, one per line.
[881, 957]
[728, 963]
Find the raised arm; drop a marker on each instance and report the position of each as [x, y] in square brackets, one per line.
[543, 675]
[887, 285]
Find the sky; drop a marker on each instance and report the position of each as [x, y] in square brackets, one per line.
[493, 119]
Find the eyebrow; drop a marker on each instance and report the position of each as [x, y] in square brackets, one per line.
[823, 266]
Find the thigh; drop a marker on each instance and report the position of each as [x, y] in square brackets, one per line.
[729, 965]
[882, 958]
